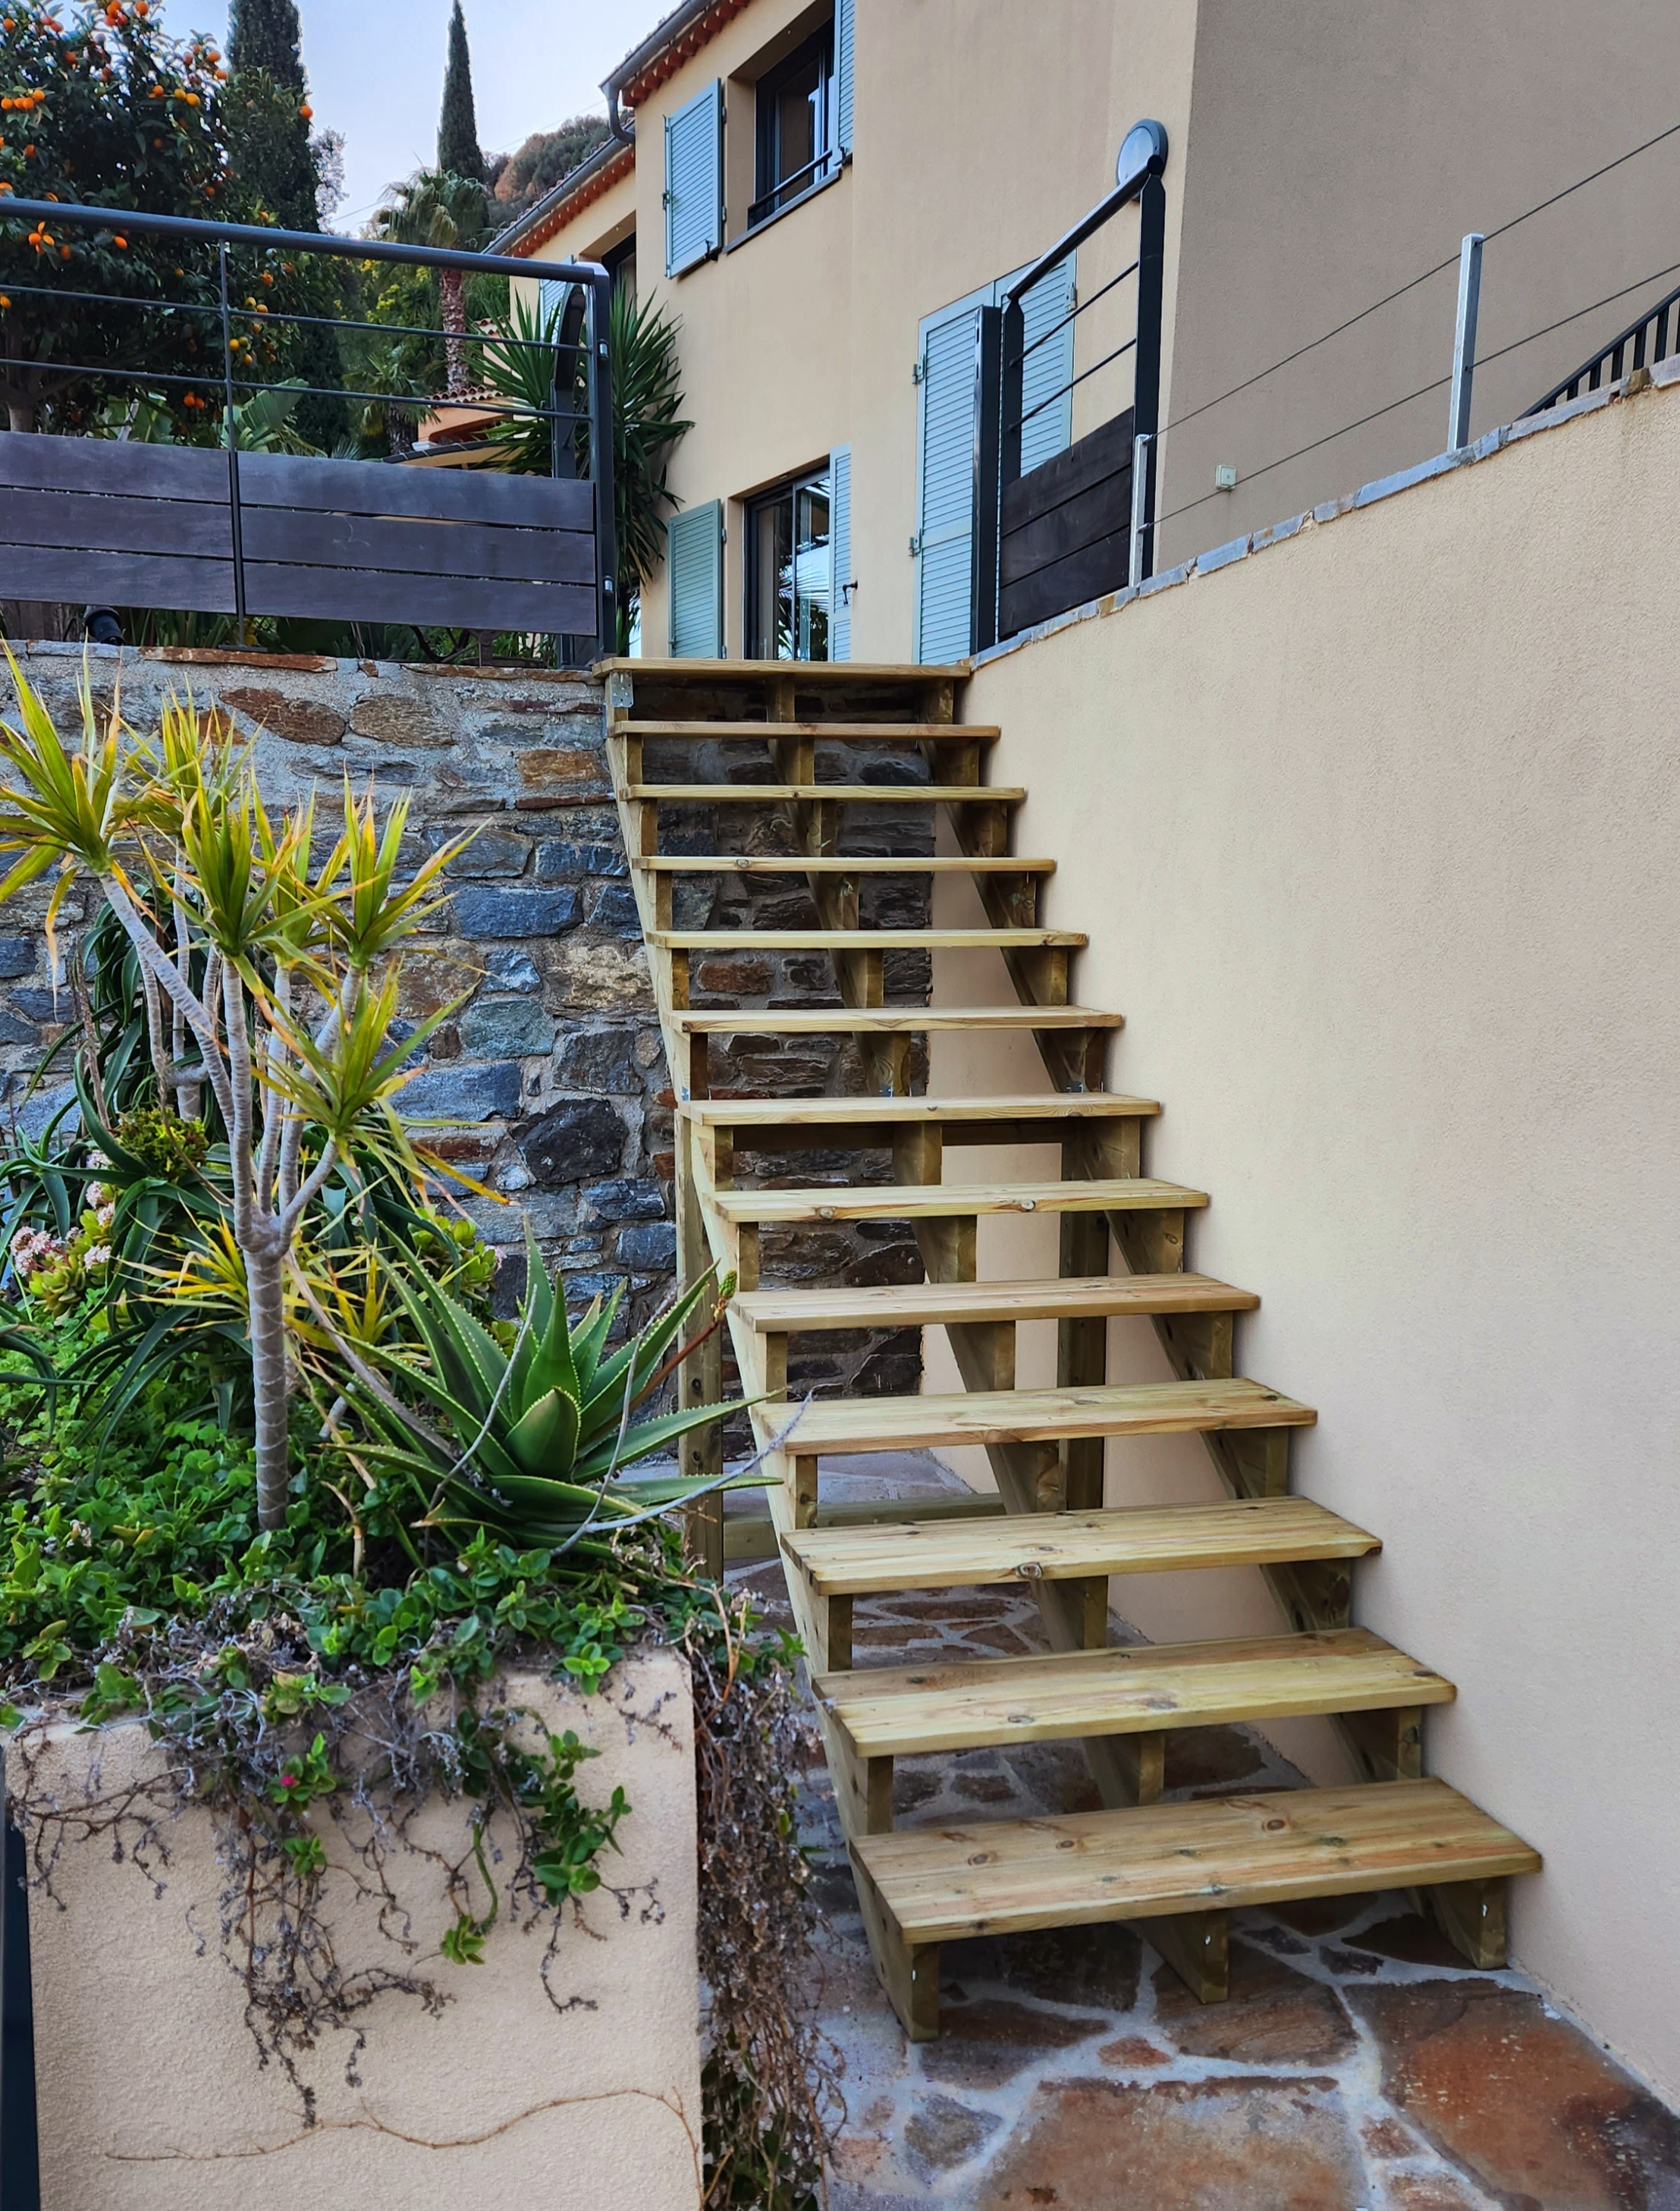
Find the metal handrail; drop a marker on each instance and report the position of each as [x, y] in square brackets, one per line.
[591, 280]
[1592, 371]
[821, 160]
[1001, 412]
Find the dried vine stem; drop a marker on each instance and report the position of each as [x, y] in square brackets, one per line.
[772, 2101]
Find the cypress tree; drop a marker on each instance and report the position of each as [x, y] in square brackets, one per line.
[459, 150]
[269, 95]
[269, 120]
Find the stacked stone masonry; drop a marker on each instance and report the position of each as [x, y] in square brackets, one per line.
[550, 1083]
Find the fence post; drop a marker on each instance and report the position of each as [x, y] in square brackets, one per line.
[231, 435]
[19, 2158]
[599, 324]
[989, 404]
[1463, 342]
[1138, 564]
[1146, 379]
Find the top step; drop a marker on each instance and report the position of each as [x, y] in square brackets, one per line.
[811, 675]
[854, 733]
[812, 794]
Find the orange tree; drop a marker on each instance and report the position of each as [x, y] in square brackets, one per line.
[103, 107]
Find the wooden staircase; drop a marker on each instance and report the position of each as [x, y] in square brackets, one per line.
[1180, 1867]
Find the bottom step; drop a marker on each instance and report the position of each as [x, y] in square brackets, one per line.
[1185, 1865]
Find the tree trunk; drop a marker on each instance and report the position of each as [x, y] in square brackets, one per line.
[263, 1276]
[451, 286]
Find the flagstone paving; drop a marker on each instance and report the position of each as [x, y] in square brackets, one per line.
[1358, 2065]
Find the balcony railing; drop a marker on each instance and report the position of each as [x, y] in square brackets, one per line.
[1082, 522]
[133, 525]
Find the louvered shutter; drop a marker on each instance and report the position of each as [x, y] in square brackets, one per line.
[694, 180]
[695, 550]
[945, 508]
[843, 14]
[839, 552]
[551, 292]
[1046, 423]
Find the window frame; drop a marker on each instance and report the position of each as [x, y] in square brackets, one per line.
[785, 494]
[825, 165]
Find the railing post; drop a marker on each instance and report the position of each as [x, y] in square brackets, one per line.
[1139, 564]
[1463, 342]
[599, 324]
[231, 435]
[20, 2161]
[1146, 379]
[989, 404]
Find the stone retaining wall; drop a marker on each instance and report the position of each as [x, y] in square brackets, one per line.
[553, 1075]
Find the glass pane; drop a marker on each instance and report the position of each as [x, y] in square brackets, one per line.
[773, 574]
[811, 567]
[799, 121]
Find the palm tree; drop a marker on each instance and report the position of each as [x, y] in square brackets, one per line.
[646, 395]
[438, 208]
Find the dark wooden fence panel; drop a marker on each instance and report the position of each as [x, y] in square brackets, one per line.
[103, 521]
[1065, 535]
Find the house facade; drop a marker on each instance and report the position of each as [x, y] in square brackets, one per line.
[826, 194]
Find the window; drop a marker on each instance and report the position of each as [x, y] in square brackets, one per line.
[790, 572]
[798, 134]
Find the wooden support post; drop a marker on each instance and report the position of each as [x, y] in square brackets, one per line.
[700, 1453]
[910, 1977]
[1386, 1745]
[1141, 1761]
[805, 1491]
[1082, 1353]
[1197, 1945]
[1472, 1914]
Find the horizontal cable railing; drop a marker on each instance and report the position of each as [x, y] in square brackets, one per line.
[128, 517]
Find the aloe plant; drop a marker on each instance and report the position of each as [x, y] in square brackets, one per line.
[533, 1439]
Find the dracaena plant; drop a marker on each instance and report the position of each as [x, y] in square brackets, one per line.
[269, 986]
[527, 1442]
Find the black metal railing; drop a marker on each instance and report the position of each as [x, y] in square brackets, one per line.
[137, 525]
[20, 2164]
[1641, 345]
[794, 186]
[1082, 522]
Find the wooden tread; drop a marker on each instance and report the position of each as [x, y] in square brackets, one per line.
[903, 1712]
[1024, 1416]
[944, 1200]
[934, 1304]
[807, 675]
[1008, 1876]
[851, 733]
[843, 794]
[1133, 1539]
[863, 940]
[834, 863]
[836, 1021]
[819, 1112]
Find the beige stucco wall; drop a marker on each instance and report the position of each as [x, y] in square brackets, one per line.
[1320, 157]
[149, 2091]
[1375, 834]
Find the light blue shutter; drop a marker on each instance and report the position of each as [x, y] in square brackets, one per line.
[551, 292]
[694, 180]
[694, 545]
[839, 552]
[1046, 423]
[843, 13]
[945, 528]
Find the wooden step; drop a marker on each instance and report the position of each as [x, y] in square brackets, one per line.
[838, 1021]
[1008, 1416]
[934, 1304]
[864, 940]
[849, 733]
[834, 863]
[835, 794]
[1132, 1539]
[945, 1200]
[903, 1712]
[807, 675]
[941, 1884]
[758, 1113]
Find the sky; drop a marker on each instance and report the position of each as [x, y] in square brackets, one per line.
[376, 72]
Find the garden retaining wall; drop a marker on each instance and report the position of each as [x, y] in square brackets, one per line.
[562, 2082]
